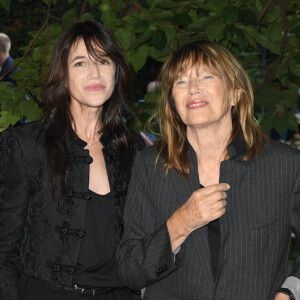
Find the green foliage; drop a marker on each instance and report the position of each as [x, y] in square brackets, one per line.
[5, 4]
[264, 35]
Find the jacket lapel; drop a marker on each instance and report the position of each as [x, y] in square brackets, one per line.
[199, 238]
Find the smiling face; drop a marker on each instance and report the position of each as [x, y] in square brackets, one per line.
[90, 82]
[199, 99]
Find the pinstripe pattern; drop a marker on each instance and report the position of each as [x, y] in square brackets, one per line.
[263, 205]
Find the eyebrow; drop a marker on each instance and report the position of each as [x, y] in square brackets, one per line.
[78, 57]
[104, 55]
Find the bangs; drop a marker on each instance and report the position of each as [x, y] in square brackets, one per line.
[93, 46]
[95, 49]
[194, 57]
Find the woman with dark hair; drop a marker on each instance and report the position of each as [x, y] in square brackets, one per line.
[63, 180]
[211, 206]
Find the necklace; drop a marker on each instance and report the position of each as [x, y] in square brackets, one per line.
[91, 144]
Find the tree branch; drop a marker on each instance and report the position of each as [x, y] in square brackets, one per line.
[31, 42]
[263, 12]
[82, 9]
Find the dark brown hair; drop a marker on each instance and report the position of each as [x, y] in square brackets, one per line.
[57, 116]
[173, 143]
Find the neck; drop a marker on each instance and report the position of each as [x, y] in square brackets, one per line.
[87, 122]
[209, 143]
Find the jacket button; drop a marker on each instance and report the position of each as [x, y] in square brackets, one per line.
[71, 270]
[64, 230]
[87, 196]
[88, 160]
[69, 192]
[56, 268]
[80, 233]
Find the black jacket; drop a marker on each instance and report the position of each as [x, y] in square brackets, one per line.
[35, 238]
[263, 207]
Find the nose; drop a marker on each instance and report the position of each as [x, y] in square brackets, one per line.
[94, 70]
[194, 87]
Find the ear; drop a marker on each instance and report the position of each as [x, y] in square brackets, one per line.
[236, 96]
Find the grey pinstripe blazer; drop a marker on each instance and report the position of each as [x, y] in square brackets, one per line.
[263, 206]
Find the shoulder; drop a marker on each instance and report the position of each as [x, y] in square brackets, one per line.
[26, 135]
[278, 155]
[149, 153]
[276, 148]
[148, 157]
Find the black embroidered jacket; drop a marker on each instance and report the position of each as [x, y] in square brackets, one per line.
[35, 238]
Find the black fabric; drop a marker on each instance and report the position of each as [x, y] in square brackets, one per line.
[214, 241]
[214, 238]
[34, 237]
[36, 289]
[96, 264]
[263, 206]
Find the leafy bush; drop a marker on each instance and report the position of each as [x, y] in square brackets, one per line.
[263, 34]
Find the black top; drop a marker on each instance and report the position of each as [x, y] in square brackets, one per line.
[214, 245]
[96, 265]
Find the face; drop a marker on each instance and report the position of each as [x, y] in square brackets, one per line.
[199, 99]
[90, 82]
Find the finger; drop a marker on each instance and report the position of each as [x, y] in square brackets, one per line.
[216, 196]
[217, 206]
[218, 214]
[216, 188]
[221, 204]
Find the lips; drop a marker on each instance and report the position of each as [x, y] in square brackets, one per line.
[95, 87]
[196, 104]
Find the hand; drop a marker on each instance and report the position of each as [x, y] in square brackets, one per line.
[204, 205]
[281, 296]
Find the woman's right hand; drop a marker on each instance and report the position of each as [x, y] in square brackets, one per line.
[204, 205]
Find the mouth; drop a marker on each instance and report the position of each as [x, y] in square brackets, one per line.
[95, 87]
[196, 104]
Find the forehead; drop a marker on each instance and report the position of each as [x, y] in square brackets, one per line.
[79, 47]
[194, 70]
[189, 67]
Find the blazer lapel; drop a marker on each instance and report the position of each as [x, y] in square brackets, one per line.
[184, 189]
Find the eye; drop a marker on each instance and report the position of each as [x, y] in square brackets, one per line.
[79, 64]
[104, 62]
[180, 82]
[208, 77]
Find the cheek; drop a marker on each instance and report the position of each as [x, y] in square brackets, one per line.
[177, 98]
[180, 105]
[110, 79]
[75, 78]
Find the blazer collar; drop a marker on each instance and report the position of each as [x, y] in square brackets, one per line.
[237, 147]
